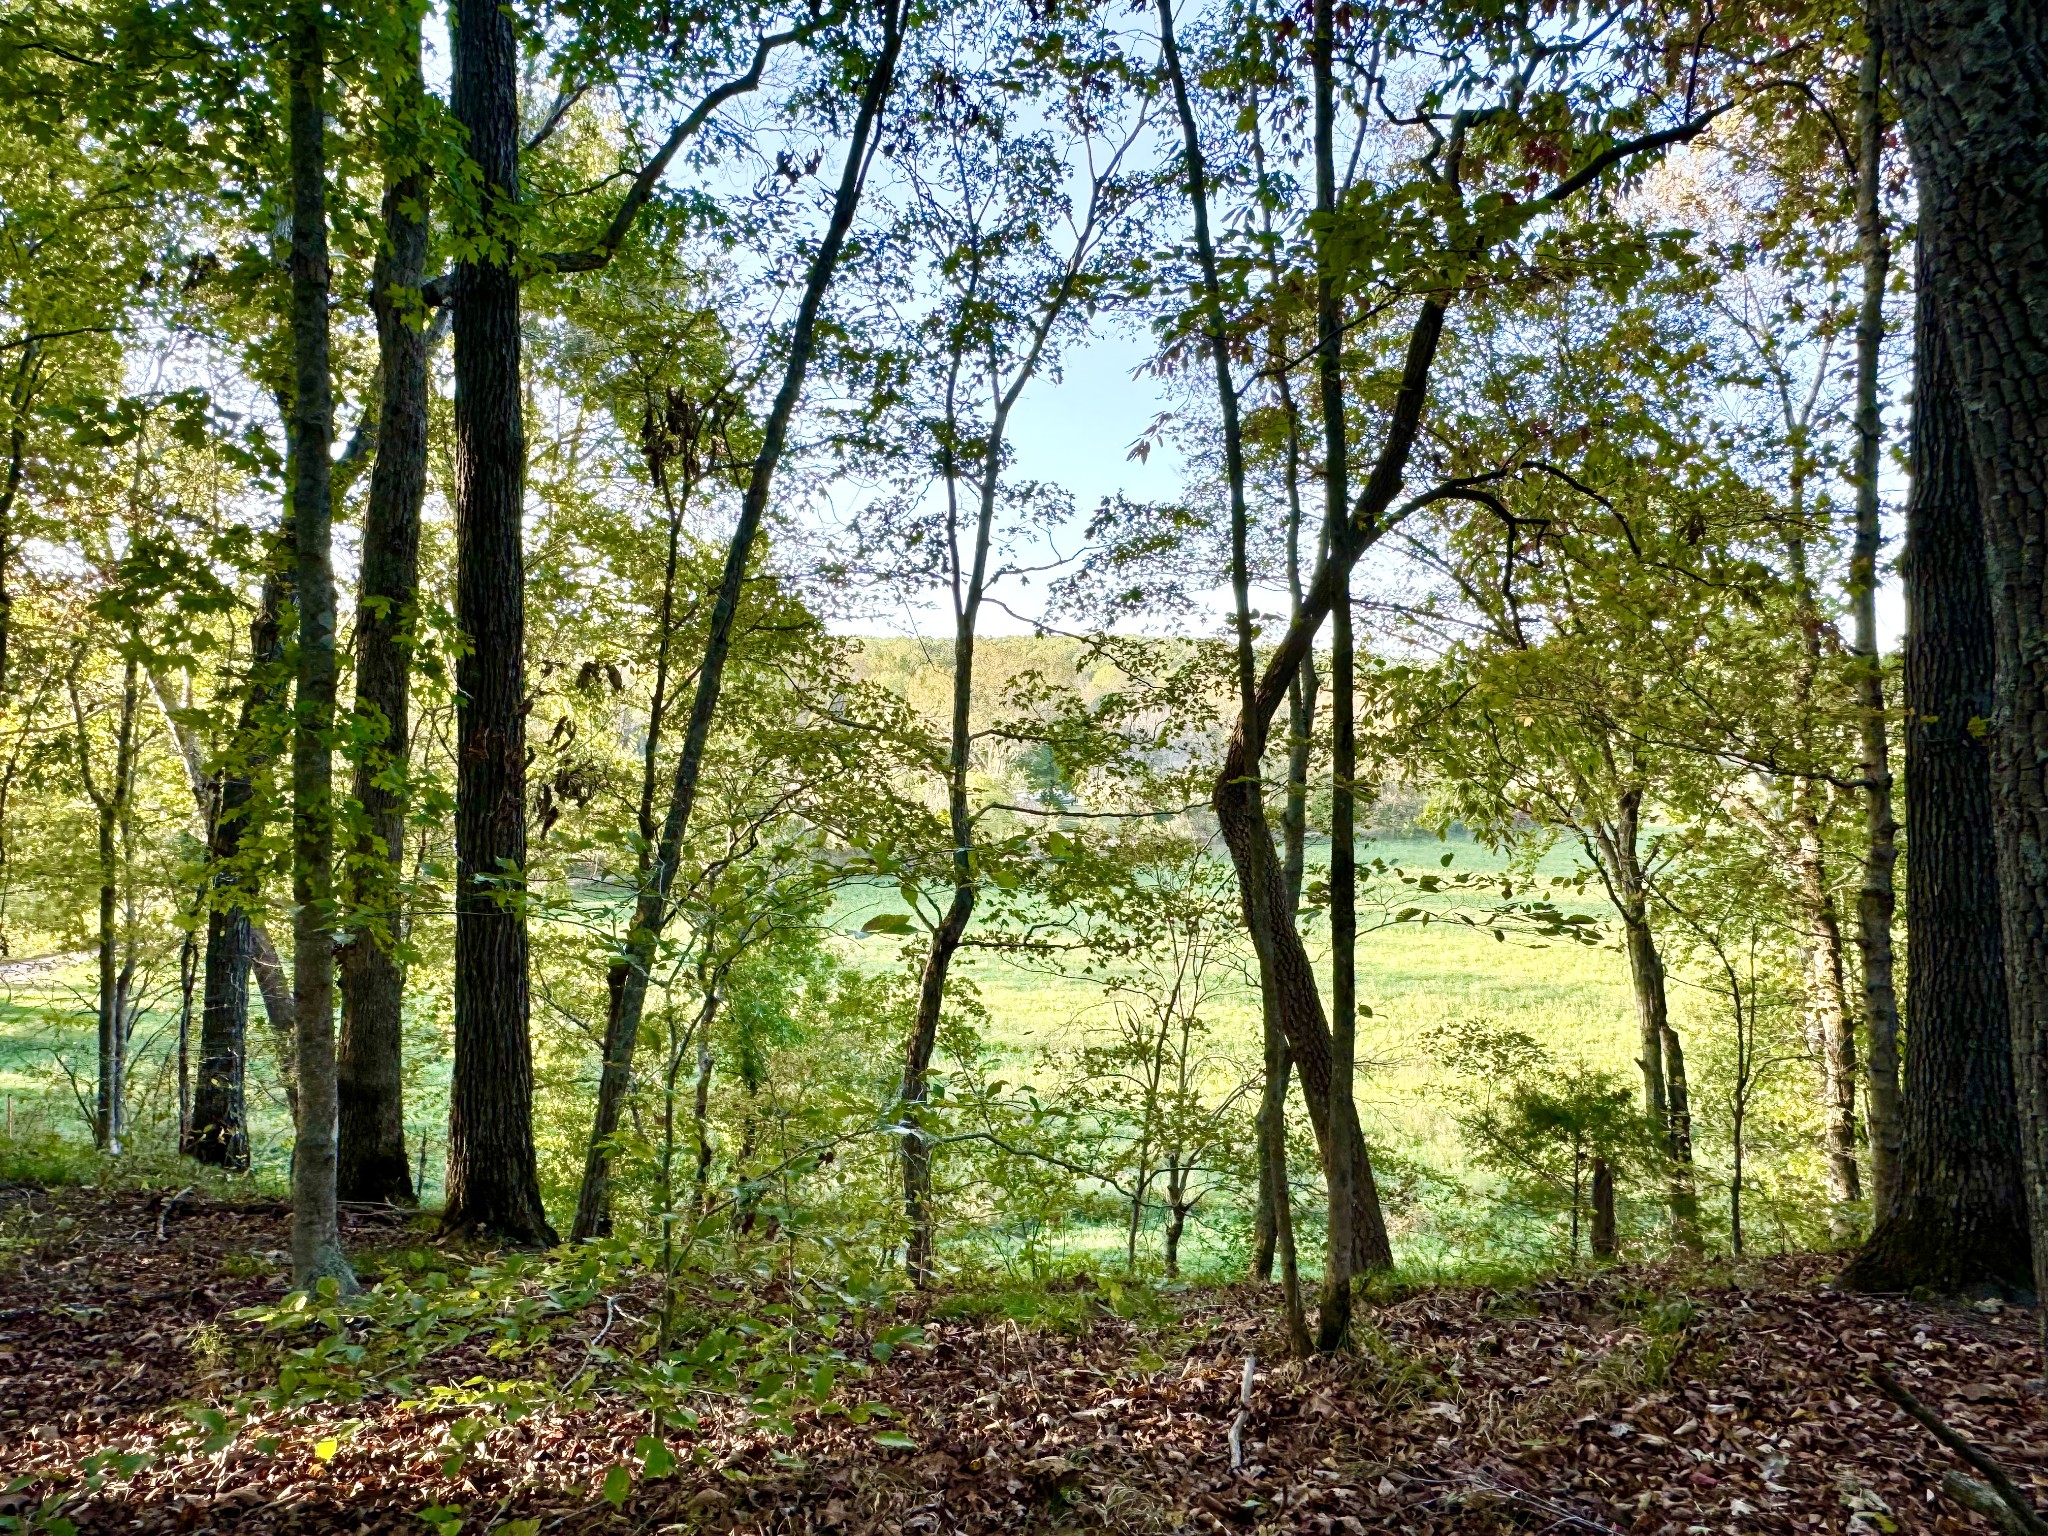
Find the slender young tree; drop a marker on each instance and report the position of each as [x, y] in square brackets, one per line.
[1347, 1171]
[373, 1163]
[493, 1179]
[1289, 995]
[1877, 900]
[316, 1232]
[110, 799]
[1958, 1216]
[1010, 295]
[1972, 80]
[632, 970]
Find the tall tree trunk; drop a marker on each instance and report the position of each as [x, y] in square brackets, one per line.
[1346, 1174]
[219, 1133]
[1972, 78]
[110, 803]
[1831, 1031]
[1646, 981]
[373, 1164]
[1271, 1124]
[917, 1054]
[316, 1232]
[1666, 1103]
[1685, 1199]
[1876, 901]
[631, 971]
[1958, 1216]
[493, 1179]
[1286, 978]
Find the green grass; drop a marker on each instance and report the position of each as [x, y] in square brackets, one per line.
[1413, 978]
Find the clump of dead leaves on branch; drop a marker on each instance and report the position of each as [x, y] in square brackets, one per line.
[150, 1381]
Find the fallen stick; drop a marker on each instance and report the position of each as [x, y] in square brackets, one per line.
[1244, 1408]
[2022, 1510]
[164, 1215]
[1984, 1499]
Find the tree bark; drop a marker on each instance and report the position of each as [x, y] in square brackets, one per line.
[110, 803]
[1972, 78]
[1666, 1104]
[219, 1132]
[1958, 1216]
[1831, 1032]
[316, 1232]
[1603, 1209]
[373, 1163]
[493, 1179]
[1877, 900]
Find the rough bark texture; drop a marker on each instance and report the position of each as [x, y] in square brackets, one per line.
[1958, 1215]
[1876, 901]
[493, 1182]
[1972, 79]
[316, 1233]
[629, 973]
[373, 1163]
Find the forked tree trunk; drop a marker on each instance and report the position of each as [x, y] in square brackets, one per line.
[1287, 980]
[373, 1163]
[1972, 78]
[493, 1180]
[1958, 1216]
[316, 1232]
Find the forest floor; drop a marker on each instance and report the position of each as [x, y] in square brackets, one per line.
[1641, 1399]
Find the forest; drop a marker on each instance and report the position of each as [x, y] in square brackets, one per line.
[1023, 765]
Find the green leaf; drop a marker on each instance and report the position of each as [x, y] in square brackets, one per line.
[656, 1459]
[618, 1482]
[887, 922]
[895, 1440]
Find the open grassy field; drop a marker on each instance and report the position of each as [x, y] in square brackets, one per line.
[1415, 978]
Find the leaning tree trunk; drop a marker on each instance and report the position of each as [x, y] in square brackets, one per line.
[630, 973]
[1972, 78]
[1876, 901]
[373, 1164]
[1958, 1215]
[493, 1179]
[316, 1232]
